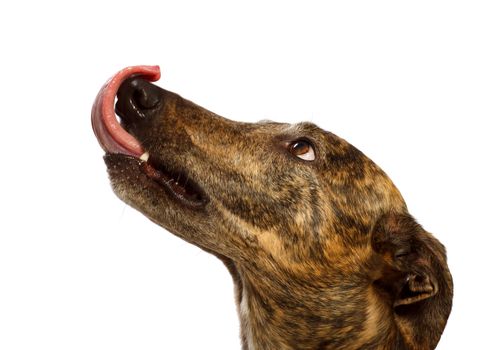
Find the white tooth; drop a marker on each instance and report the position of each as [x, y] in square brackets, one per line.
[144, 157]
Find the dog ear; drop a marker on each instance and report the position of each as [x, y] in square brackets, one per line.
[411, 274]
[408, 263]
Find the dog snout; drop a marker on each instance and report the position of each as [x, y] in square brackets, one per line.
[138, 99]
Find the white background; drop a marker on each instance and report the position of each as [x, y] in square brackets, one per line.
[406, 82]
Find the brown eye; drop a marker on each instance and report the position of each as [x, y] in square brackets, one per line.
[302, 149]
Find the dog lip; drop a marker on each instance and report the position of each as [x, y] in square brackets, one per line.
[177, 183]
[110, 134]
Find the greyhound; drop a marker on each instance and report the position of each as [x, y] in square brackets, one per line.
[319, 242]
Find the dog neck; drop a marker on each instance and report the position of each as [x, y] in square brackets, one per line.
[277, 315]
[302, 307]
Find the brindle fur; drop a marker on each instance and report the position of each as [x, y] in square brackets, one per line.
[323, 254]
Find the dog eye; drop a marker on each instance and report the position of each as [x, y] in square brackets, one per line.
[302, 149]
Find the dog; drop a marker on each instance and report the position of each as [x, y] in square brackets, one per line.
[319, 242]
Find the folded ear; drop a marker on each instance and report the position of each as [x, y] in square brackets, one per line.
[412, 276]
[407, 270]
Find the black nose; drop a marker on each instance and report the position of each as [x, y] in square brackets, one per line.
[137, 100]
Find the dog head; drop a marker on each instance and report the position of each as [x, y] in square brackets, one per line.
[298, 215]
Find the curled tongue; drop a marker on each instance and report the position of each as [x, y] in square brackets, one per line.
[111, 136]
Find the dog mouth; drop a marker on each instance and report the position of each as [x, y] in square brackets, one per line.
[177, 183]
[133, 102]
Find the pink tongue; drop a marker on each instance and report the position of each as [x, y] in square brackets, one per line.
[111, 136]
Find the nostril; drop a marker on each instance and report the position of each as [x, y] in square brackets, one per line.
[147, 98]
[136, 98]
